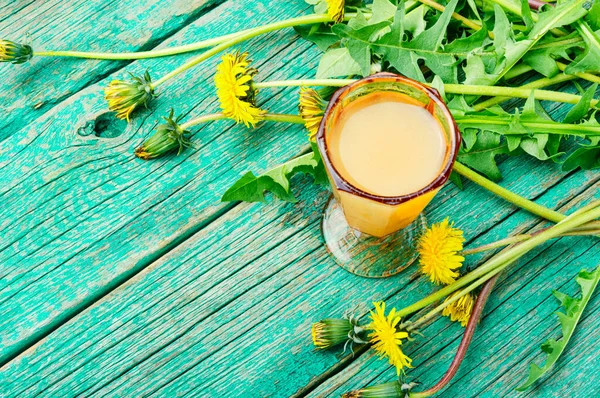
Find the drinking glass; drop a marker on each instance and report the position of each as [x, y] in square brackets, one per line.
[370, 235]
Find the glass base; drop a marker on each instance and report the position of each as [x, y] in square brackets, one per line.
[366, 255]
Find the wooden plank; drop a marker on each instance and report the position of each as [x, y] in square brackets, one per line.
[81, 215]
[229, 313]
[30, 90]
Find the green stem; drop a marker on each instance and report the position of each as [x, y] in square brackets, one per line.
[482, 120]
[449, 88]
[268, 117]
[203, 119]
[304, 20]
[503, 259]
[304, 82]
[500, 91]
[517, 200]
[516, 9]
[497, 244]
[544, 82]
[165, 52]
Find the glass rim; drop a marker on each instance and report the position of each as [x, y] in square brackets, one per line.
[454, 133]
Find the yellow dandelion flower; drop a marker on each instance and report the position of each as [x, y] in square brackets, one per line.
[124, 97]
[234, 89]
[312, 108]
[460, 310]
[14, 52]
[438, 249]
[335, 10]
[386, 338]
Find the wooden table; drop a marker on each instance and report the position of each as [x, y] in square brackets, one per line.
[122, 277]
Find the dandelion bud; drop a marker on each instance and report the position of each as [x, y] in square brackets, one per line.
[168, 137]
[14, 53]
[330, 332]
[392, 389]
[335, 10]
[125, 96]
[460, 310]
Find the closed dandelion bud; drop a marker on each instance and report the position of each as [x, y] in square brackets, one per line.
[125, 96]
[460, 310]
[330, 332]
[14, 53]
[168, 137]
[392, 389]
[312, 108]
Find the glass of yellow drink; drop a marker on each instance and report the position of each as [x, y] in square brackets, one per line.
[388, 144]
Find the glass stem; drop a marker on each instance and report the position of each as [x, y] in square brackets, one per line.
[304, 20]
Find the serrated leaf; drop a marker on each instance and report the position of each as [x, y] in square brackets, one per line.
[320, 34]
[581, 109]
[250, 188]
[589, 60]
[573, 310]
[404, 55]
[337, 62]
[482, 155]
[382, 10]
[358, 42]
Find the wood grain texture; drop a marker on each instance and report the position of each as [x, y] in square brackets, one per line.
[78, 210]
[216, 299]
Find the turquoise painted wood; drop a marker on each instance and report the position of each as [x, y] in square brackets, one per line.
[126, 278]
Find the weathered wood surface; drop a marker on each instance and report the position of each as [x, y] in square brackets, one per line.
[128, 278]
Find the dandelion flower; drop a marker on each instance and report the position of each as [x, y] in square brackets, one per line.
[312, 108]
[234, 89]
[386, 338]
[14, 52]
[460, 310]
[335, 10]
[125, 96]
[438, 249]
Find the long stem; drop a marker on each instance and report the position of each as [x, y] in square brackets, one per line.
[304, 82]
[165, 52]
[544, 82]
[517, 200]
[268, 117]
[449, 88]
[304, 20]
[203, 119]
[464, 343]
[514, 92]
[567, 129]
[497, 244]
[503, 259]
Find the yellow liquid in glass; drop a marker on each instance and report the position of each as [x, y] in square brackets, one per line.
[387, 144]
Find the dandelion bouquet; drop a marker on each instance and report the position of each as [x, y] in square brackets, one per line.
[476, 56]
